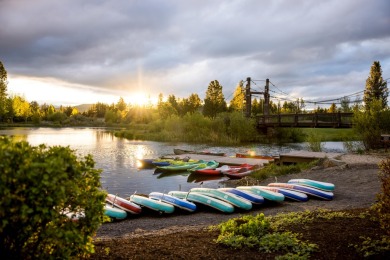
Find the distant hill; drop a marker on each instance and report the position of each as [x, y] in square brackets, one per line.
[83, 107]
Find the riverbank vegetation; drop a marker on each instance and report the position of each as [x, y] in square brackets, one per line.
[211, 120]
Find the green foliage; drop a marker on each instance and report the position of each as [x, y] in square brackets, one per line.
[282, 135]
[288, 243]
[371, 123]
[256, 232]
[271, 170]
[314, 142]
[382, 206]
[214, 101]
[282, 221]
[3, 90]
[38, 186]
[371, 247]
[376, 87]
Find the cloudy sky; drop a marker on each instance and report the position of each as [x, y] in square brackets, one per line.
[86, 51]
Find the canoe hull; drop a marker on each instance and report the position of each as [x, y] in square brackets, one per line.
[204, 200]
[123, 204]
[149, 203]
[179, 203]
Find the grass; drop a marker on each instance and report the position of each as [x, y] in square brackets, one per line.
[331, 134]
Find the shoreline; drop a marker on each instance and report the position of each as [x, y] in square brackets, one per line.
[356, 182]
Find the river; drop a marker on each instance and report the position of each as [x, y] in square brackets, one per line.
[118, 158]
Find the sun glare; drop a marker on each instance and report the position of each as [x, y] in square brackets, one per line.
[140, 99]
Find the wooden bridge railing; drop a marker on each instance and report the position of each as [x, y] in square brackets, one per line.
[320, 120]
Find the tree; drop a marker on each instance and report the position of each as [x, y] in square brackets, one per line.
[376, 87]
[39, 186]
[121, 105]
[237, 102]
[190, 104]
[214, 101]
[332, 108]
[21, 107]
[3, 90]
[344, 104]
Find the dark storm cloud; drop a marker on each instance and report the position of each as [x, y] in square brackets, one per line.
[180, 46]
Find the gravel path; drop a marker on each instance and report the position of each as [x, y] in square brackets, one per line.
[356, 184]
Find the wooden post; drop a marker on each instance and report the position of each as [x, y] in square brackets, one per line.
[248, 98]
[266, 98]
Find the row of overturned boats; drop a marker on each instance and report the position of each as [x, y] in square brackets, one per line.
[225, 200]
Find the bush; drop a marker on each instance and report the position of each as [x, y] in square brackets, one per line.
[382, 207]
[371, 123]
[38, 186]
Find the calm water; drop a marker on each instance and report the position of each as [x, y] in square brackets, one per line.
[118, 157]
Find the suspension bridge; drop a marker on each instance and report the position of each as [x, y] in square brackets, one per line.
[313, 120]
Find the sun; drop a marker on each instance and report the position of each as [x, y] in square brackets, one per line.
[141, 99]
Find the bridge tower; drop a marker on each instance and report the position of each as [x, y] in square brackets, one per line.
[248, 97]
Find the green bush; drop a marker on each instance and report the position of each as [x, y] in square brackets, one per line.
[382, 207]
[256, 232]
[38, 186]
[371, 123]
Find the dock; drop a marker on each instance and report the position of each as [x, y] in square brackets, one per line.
[286, 158]
[226, 160]
[305, 156]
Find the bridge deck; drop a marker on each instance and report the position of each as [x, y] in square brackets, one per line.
[320, 120]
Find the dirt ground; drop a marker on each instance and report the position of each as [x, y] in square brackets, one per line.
[185, 235]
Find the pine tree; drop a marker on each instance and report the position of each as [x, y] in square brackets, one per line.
[376, 87]
[214, 101]
[3, 90]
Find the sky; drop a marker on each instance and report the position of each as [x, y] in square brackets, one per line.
[74, 52]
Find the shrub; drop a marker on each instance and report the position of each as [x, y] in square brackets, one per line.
[382, 207]
[371, 123]
[38, 186]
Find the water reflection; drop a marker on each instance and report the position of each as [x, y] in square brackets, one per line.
[118, 158]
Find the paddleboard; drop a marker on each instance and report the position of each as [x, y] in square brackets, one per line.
[266, 194]
[156, 205]
[113, 212]
[253, 198]
[180, 203]
[327, 186]
[289, 194]
[327, 195]
[205, 200]
[124, 204]
[231, 198]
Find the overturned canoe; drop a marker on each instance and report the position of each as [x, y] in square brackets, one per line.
[113, 212]
[204, 200]
[289, 194]
[254, 198]
[266, 194]
[231, 198]
[152, 204]
[123, 204]
[327, 186]
[177, 202]
[327, 195]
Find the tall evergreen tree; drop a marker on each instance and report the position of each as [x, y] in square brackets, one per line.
[376, 87]
[214, 101]
[237, 102]
[3, 90]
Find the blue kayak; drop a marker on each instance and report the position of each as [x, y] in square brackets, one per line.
[254, 198]
[314, 184]
[204, 199]
[177, 202]
[327, 195]
[152, 204]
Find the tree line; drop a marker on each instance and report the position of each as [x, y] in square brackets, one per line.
[15, 108]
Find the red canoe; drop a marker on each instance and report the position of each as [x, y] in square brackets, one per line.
[124, 204]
